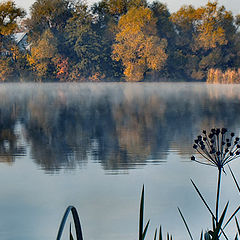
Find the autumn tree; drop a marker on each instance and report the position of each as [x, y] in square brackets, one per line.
[137, 46]
[46, 25]
[204, 36]
[9, 15]
[106, 17]
[43, 56]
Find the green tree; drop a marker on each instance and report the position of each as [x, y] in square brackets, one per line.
[48, 14]
[165, 29]
[137, 46]
[117, 8]
[84, 44]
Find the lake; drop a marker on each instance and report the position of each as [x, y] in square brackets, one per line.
[94, 146]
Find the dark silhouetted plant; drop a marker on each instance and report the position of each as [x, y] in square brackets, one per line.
[217, 148]
[142, 232]
[77, 224]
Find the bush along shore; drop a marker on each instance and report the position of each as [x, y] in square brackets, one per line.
[123, 40]
[217, 148]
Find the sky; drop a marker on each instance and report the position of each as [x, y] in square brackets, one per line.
[173, 5]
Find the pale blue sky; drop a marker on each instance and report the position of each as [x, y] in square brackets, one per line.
[173, 5]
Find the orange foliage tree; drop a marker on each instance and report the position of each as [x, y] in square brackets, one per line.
[137, 45]
[43, 56]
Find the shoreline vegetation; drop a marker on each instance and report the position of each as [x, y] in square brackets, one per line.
[118, 40]
[228, 77]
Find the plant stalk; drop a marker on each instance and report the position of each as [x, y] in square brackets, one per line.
[218, 193]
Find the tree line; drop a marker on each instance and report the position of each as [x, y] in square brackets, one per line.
[117, 40]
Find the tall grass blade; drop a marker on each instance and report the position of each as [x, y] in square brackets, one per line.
[141, 215]
[201, 236]
[236, 237]
[234, 178]
[76, 223]
[219, 224]
[213, 223]
[145, 229]
[202, 198]
[160, 233]
[155, 235]
[185, 224]
[238, 228]
[229, 220]
[142, 233]
[70, 233]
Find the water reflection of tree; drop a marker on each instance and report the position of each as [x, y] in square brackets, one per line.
[119, 127]
[9, 112]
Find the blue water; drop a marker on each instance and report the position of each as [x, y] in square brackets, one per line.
[94, 146]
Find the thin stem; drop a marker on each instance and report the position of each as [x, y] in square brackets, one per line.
[218, 193]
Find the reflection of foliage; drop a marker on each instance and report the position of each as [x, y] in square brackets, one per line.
[119, 127]
[9, 147]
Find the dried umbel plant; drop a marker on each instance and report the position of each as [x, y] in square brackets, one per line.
[218, 148]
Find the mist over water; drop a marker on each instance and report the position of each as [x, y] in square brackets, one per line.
[94, 145]
[119, 125]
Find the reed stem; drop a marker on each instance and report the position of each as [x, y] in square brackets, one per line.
[218, 193]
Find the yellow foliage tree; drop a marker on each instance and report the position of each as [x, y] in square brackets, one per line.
[137, 46]
[206, 25]
[6, 70]
[43, 54]
[9, 14]
[209, 25]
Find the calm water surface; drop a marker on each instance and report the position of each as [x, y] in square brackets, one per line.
[94, 145]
